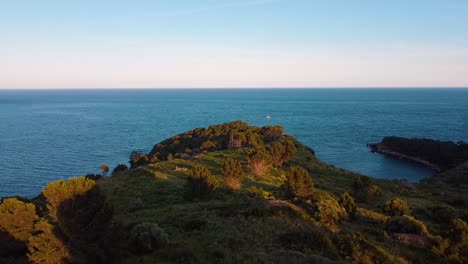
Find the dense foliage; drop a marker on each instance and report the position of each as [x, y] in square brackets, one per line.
[235, 134]
[74, 228]
[200, 183]
[299, 183]
[232, 173]
[282, 152]
[396, 206]
[445, 154]
[348, 203]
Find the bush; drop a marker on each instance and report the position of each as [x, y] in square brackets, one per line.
[361, 182]
[232, 173]
[146, 237]
[406, 224]
[299, 183]
[363, 189]
[201, 182]
[282, 152]
[138, 159]
[18, 218]
[260, 162]
[348, 203]
[328, 212]
[458, 232]
[119, 168]
[396, 206]
[57, 192]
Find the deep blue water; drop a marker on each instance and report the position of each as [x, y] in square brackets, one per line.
[49, 134]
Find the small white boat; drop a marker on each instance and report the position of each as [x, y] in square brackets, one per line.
[268, 116]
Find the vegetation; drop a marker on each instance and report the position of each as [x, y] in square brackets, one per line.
[119, 168]
[448, 157]
[260, 162]
[232, 173]
[201, 183]
[396, 206]
[282, 152]
[445, 154]
[348, 203]
[299, 183]
[275, 215]
[104, 169]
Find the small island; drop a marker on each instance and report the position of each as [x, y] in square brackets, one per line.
[235, 193]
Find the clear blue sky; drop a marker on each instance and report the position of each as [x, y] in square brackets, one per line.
[243, 43]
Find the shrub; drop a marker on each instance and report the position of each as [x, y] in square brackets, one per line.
[348, 203]
[328, 212]
[260, 162]
[146, 237]
[57, 192]
[299, 183]
[18, 218]
[442, 214]
[105, 169]
[406, 224]
[396, 206]
[207, 146]
[138, 159]
[361, 182]
[119, 168]
[282, 152]
[363, 189]
[201, 182]
[458, 231]
[232, 173]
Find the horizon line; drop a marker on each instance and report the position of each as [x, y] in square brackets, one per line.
[234, 88]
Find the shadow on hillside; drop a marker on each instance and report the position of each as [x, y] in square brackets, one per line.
[83, 226]
[12, 251]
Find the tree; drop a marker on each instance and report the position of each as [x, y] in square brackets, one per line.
[201, 182]
[232, 173]
[396, 206]
[259, 162]
[299, 183]
[119, 168]
[348, 203]
[282, 152]
[105, 169]
[57, 192]
[18, 218]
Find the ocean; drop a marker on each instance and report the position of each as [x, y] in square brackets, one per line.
[47, 135]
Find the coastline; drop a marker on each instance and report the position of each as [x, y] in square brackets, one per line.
[382, 149]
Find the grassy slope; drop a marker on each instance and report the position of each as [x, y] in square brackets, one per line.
[235, 227]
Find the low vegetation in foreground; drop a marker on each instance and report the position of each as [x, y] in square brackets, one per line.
[235, 193]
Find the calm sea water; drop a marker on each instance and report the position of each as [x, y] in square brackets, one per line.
[48, 135]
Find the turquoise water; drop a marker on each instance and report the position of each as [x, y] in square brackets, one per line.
[48, 135]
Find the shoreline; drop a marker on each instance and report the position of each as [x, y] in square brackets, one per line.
[382, 149]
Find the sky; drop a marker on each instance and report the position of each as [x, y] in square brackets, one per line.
[233, 43]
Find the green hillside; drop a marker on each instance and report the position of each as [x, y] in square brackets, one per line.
[250, 195]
